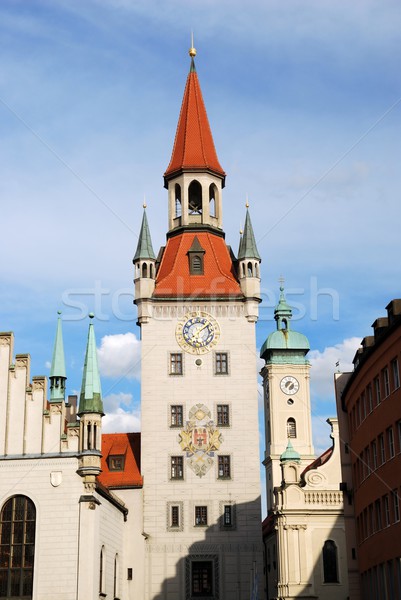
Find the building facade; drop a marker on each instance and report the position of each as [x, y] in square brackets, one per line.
[304, 537]
[197, 308]
[369, 407]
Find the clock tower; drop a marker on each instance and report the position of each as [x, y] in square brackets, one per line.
[286, 397]
[197, 306]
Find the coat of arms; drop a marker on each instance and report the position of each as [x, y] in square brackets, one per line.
[200, 439]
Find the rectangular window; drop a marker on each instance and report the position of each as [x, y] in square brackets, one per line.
[386, 510]
[358, 413]
[221, 363]
[378, 510]
[228, 515]
[386, 382]
[367, 461]
[396, 506]
[224, 467]
[362, 466]
[176, 415]
[116, 463]
[382, 449]
[177, 467]
[377, 390]
[374, 454]
[223, 415]
[371, 519]
[201, 515]
[399, 435]
[175, 516]
[202, 578]
[370, 398]
[176, 363]
[390, 440]
[396, 373]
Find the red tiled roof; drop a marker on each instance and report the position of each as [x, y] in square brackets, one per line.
[128, 445]
[319, 461]
[174, 279]
[193, 145]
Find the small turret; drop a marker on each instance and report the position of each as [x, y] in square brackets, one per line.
[249, 269]
[90, 412]
[285, 345]
[57, 371]
[145, 270]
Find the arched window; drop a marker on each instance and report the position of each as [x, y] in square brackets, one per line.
[212, 200]
[195, 198]
[250, 273]
[291, 428]
[151, 271]
[89, 430]
[144, 270]
[17, 548]
[330, 568]
[101, 571]
[177, 200]
[284, 324]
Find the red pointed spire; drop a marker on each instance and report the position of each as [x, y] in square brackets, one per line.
[193, 145]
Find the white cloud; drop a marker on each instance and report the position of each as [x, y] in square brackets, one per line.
[48, 364]
[120, 356]
[324, 366]
[114, 401]
[121, 421]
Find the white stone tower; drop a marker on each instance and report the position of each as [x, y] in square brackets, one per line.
[286, 394]
[304, 530]
[199, 449]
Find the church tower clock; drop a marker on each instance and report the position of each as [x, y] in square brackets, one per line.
[197, 307]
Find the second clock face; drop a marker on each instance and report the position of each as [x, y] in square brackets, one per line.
[197, 333]
[289, 385]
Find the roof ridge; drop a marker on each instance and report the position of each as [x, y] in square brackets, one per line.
[216, 256]
[164, 257]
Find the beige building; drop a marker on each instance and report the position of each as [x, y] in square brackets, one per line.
[304, 537]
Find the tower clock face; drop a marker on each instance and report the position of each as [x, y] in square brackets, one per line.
[289, 385]
[197, 332]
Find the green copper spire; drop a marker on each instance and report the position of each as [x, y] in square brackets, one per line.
[282, 312]
[284, 346]
[248, 247]
[91, 394]
[144, 248]
[57, 370]
[290, 454]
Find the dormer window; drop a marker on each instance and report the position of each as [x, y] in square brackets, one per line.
[195, 255]
[116, 462]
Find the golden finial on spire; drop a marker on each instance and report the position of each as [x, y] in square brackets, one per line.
[192, 50]
[247, 203]
[144, 201]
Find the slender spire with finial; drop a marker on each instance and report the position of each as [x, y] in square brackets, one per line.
[57, 371]
[91, 393]
[248, 248]
[192, 53]
[144, 249]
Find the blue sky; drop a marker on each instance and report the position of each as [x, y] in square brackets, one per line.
[304, 100]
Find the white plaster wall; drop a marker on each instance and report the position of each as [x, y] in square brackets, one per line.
[6, 349]
[241, 440]
[57, 509]
[134, 545]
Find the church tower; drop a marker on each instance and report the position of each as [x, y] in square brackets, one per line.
[286, 397]
[197, 307]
